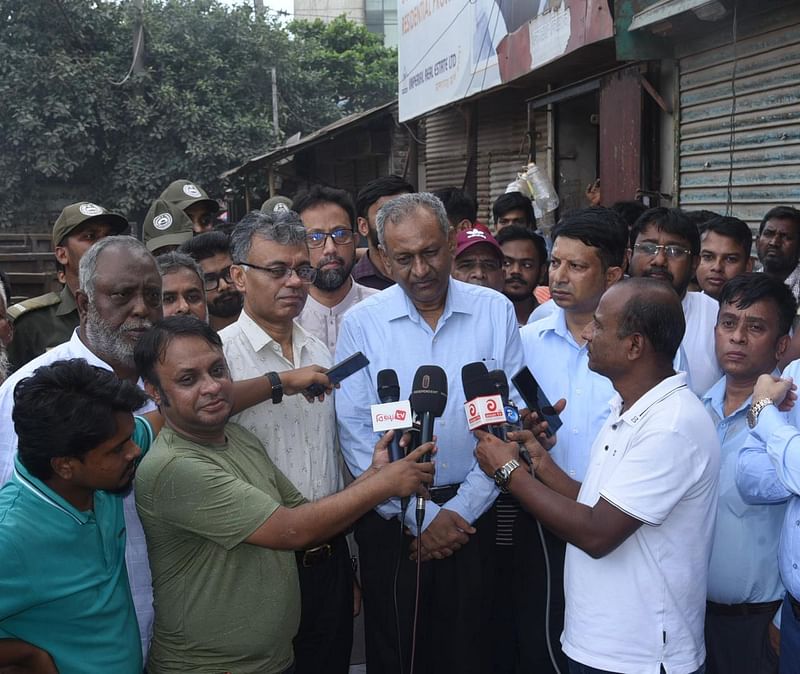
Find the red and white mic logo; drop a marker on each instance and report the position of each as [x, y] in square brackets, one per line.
[484, 411]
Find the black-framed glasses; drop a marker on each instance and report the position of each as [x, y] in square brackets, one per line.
[281, 272]
[341, 236]
[652, 249]
[211, 279]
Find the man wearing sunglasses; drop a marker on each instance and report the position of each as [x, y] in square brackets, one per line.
[329, 217]
[666, 246]
[272, 270]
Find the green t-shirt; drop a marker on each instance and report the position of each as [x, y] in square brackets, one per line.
[221, 605]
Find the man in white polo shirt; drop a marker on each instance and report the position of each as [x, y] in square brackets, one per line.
[640, 525]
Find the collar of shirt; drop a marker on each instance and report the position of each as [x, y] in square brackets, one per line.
[556, 322]
[664, 389]
[365, 268]
[260, 338]
[457, 302]
[67, 304]
[348, 301]
[715, 398]
[41, 491]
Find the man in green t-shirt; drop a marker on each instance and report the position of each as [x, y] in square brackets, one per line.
[65, 604]
[222, 521]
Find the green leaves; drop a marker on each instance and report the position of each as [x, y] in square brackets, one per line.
[202, 104]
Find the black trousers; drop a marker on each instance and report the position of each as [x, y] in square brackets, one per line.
[519, 615]
[739, 644]
[325, 637]
[455, 600]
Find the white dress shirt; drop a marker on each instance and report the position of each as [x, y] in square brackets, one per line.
[643, 604]
[324, 322]
[135, 548]
[299, 436]
[696, 354]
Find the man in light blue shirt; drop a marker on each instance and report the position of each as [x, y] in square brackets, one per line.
[744, 586]
[426, 319]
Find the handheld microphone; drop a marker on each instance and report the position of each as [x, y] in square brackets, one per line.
[484, 406]
[389, 392]
[428, 399]
[513, 419]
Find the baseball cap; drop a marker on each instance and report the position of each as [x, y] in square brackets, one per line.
[75, 215]
[166, 225]
[276, 205]
[478, 233]
[184, 193]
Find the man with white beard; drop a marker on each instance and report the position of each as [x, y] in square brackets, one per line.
[118, 300]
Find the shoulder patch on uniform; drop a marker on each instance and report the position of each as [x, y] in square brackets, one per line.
[20, 308]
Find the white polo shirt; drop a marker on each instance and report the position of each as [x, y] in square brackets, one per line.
[643, 604]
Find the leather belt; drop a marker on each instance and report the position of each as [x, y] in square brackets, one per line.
[441, 495]
[757, 608]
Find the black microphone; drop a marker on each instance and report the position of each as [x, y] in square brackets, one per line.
[389, 392]
[428, 399]
[477, 383]
[513, 419]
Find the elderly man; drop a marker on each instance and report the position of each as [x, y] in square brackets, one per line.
[182, 286]
[478, 258]
[427, 318]
[222, 520]
[639, 526]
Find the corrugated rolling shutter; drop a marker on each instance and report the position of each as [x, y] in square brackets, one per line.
[445, 149]
[503, 146]
[758, 84]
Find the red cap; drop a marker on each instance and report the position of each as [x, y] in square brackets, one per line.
[478, 233]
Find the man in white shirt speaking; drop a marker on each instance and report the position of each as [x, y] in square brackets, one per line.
[640, 525]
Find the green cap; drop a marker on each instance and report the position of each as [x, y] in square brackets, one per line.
[75, 215]
[183, 193]
[165, 225]
[276, 205]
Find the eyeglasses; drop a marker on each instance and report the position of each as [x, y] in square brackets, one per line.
[211, 279]
[652, 249]
[340, 237]
[280, 272]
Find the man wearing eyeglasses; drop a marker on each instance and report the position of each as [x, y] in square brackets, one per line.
[212, 252]
[272, 270]
[666, 246]
[329, 217]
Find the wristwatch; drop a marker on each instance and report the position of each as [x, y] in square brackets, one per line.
[755, 410]
[502, 475]
[277, 387]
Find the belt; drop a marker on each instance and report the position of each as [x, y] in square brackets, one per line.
[794, 604]
[743, 609]
[318, 555]
[441, 495]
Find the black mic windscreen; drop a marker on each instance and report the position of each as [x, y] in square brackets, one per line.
[388, 387]
[429, 391]
[501, 382]
[475, 381]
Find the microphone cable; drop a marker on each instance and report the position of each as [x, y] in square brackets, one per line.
[548, 594]
[420, 517]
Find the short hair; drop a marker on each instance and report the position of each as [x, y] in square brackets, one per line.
[173, 261]
[317, 195]
[599, 228]
[653, 310]
[152, 345]
[284, 228]
[520, 233]
[458, 204]
[386, 186]
[511, 201]
[733, 228]
[87, 270]
[781, 213]
[67, 409]
[629, 211]
[206, 245]
[700, 217]
[404, 206]
[746, 289]
[669, 220]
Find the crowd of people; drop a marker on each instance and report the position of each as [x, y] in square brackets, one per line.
[180, 475]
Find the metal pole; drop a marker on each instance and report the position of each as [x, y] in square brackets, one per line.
[275, 104]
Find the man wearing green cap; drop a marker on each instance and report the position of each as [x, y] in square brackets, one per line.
[40, 323]
[192, 200]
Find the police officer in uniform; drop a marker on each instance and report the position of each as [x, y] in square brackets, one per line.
[40, 323]
[192, 200]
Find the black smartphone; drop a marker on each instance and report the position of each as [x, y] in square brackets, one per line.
[340, 371]
[536, 400]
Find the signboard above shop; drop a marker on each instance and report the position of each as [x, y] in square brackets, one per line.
[452, 49]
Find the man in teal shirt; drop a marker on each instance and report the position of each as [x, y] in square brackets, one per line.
[65, 603]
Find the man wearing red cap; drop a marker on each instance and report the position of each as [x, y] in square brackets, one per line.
[478, 259]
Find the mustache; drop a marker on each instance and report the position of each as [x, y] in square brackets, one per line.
[660, 272]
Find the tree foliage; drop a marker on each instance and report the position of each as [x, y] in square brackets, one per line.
[203, 102]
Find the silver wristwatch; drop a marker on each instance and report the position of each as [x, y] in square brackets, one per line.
[755, 410]
[502, 475]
